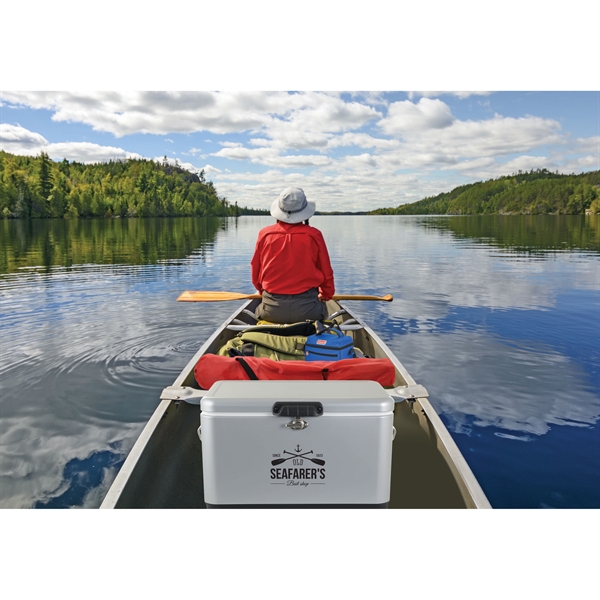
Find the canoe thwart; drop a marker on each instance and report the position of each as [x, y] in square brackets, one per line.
[185, 393]
[408, 392]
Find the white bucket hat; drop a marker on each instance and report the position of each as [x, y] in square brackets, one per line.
[292, 206]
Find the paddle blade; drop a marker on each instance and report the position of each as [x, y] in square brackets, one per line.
[209, 296]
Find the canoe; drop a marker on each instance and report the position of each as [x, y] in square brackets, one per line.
[165, 466]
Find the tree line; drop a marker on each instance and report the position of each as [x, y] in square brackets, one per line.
[525, 193]
[37, 187]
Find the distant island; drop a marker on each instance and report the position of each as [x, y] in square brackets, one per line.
[536, 192]
[37, 187]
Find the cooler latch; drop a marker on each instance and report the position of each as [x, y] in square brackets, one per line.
[297, 424]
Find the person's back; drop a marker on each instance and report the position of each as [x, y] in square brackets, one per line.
[291, 266]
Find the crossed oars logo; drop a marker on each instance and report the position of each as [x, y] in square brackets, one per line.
[278, 461]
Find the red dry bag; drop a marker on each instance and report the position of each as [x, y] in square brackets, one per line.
[211, 368]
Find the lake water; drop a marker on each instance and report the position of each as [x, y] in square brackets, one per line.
[498, 317]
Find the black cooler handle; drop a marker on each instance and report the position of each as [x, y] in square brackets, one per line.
[297, 409]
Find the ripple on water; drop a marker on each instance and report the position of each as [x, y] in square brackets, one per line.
[142, 360]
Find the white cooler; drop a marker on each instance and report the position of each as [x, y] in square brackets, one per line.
[296, 444]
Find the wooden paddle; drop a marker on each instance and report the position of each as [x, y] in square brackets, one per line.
[208, 296]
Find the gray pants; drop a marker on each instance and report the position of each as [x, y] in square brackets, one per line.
[291, 308]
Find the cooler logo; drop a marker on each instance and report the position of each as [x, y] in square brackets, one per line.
[321, 342]
[298, 472]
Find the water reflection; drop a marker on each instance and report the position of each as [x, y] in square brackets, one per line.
[67, 242]
[481, 381]
[84, 482]
[530, 234]
[86, 348]
[503, 334]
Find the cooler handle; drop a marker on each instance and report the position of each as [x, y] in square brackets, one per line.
[298, 409]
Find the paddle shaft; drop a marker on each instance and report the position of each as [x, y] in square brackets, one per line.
[317, 461]
[209, 296]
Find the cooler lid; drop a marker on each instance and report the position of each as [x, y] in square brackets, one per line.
[260, 396]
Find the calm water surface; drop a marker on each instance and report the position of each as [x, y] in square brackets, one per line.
[499, 317]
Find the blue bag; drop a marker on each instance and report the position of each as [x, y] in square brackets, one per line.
[330, 344]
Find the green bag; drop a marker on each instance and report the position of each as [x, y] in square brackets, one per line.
[266, 345]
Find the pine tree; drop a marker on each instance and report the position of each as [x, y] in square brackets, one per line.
[45, 175]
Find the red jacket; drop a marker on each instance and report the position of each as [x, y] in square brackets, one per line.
[291, 259]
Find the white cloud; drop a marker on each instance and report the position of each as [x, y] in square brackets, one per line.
[86, 152]
[462, 95]
[496, 136]
[406, 117]
[362, 140]
[18, 140]
[591, 144]
[474, 165]
[21, 141]
[433, 136]
[123, 113]
[314, 123]
[272, 158]
[209, 169]
[360, 161]
[485, 141]
[351, 188]
[585, 163]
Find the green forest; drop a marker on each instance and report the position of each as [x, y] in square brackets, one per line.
[523, 193]
[37, 187]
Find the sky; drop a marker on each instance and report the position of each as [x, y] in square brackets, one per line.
[437, 94]
[348, 151]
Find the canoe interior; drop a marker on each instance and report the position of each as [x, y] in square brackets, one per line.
[167, 469]
[168, 474]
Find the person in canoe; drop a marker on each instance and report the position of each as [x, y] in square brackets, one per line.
[291, 266]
